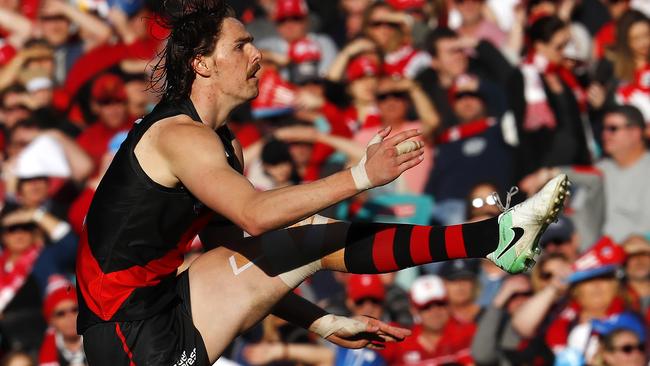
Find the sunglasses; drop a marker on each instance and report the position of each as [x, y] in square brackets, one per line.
[432, 304]
[613, 129]
[18, 227]
[515, 295]
[46, 18]
[105, 102]
[398, 95]
[558, 242]
[380, 23]
[467, 94]
[293, 18]
[629, 348]
[546, 275]
[63, 312]
[364, 300]
[16, 108]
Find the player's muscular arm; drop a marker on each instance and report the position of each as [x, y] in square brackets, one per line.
[195, 155]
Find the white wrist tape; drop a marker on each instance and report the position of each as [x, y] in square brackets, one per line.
[359, 174]
[330, 324]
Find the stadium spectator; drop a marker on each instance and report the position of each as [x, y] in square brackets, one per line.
[17, 358]
[461, 285]
[637, 273]
[61, 345]
[561, 238]
[606, 35]
[475, 25]
[625, 174]
[621, 341]
[15, 106]
[295, 49]
[110, 103]
[390, 30]
[471, 152]
[437, 337]
[548, 103]
[496, 342]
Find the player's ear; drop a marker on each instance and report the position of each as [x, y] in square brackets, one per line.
[200, 66]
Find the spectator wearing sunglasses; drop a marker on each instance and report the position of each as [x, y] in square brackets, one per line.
[437, 337]
[61, 345]
[109, 102]
[621, 341]
[36, 245]
[394, 98]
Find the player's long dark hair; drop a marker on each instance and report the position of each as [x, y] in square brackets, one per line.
[195, 26]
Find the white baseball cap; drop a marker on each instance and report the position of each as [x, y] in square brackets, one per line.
[426, 289]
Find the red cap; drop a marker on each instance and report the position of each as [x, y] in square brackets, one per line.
[290, 8]
[603, 257]
[58, 289]
[7, 52]
[108, 87]
[304, 50]
[361, 286]
[406, 4]
[362, 66]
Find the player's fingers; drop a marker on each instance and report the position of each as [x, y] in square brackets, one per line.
[402, 136]
[401, 159]
[408, 146]
[410, 164]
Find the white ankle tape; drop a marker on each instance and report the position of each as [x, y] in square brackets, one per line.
[330, 324]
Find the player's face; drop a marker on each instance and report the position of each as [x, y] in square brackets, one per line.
[236, 62]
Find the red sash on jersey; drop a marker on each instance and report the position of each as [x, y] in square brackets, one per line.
[12, 277]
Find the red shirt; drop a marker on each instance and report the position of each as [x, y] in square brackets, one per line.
[94, 139]
[453, 346]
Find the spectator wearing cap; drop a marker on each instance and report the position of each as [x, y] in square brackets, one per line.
[621, 341]
[548, 102]
[26, 264]
[496, 342]
[461, 284]
[562, 238]
[475, 25]
[478, 149]
[453, 56]
[365, 296]
[109, 101]
[437, 337]
[390, 29]
[594, 288]
[637, 273]
[61, 345]
[304, 56]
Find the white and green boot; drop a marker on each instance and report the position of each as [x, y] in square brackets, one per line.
[521, 226]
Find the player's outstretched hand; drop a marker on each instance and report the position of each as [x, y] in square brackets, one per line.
[387, 159]
[367, 332]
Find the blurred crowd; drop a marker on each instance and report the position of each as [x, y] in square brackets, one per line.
[506, 93]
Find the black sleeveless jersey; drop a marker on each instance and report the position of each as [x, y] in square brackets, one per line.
[136, 232]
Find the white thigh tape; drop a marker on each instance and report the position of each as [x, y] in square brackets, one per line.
[330, 324]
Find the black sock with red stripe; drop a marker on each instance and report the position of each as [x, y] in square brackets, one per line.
[379, 248]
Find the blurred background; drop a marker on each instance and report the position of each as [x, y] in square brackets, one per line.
[507, 93]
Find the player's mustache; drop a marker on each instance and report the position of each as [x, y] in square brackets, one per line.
[254, 70]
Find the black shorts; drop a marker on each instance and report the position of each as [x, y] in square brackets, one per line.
[167, 338]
